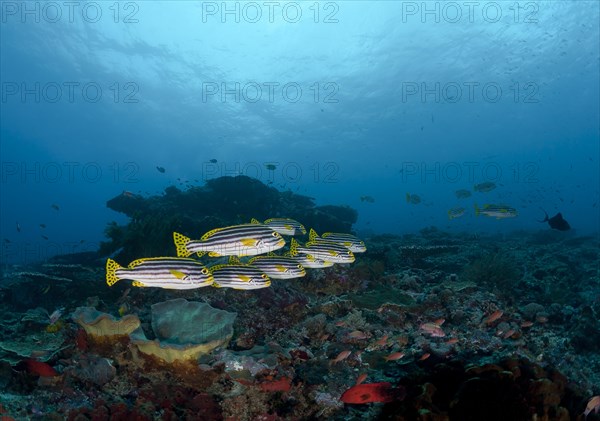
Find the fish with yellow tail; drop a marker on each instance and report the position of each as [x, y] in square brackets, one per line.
[239, 276]
[278, 267]
[496, 211]
[160, 272]
[325, 250]
[235, 240]
[351, 242]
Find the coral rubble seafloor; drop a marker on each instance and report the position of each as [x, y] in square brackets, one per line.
[433, 326]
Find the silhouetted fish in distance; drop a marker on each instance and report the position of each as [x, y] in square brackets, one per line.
[557, 222]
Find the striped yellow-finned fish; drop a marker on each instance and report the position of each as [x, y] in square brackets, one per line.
[278, 267]
[324, 250]
[351, 242]
[455, 213]
[161, 272]
[239, 276]
[236, 240]
[286, 226]
[310, 262]
[496, 211]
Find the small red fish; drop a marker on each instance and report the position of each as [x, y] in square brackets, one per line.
[526, 324]
[394, 356]
[357, 334]
[433, 329]
[439, 322]
[361, 378]
[508, 333]
[493, 317]
[425, 356]
[372, 392]
[39, 368]
[452, 341]
[341, 356]
[382, 341]
[593, 405]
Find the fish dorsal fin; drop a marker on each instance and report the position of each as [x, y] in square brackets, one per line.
[255, 221]
[136, 262]
[212, 269]
[312, 234]
[234, 260]
[178, 274]
[210, 233]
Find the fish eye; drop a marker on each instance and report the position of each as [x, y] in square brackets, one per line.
[204, 271]
[299, 266]
[275, 234]
[263, 276]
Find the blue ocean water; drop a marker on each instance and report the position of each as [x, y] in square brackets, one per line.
[347, 99]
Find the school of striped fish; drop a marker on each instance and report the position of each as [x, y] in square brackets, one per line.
[256, 240]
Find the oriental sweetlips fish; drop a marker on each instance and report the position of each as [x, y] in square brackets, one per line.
[485, 187]
[325, 250]
[236, 240]
[496, 211]
[278, 267]
[455, 213]
[349, 241]
[311, 262]
[161, 272]
[239, 276]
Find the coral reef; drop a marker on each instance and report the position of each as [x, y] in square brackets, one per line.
[483, 327]
[221, 202]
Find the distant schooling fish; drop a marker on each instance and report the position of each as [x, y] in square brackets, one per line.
[496, 211]
[462, 194]
[484, 187]
[413, 199]
[455, 213]
[161, 169]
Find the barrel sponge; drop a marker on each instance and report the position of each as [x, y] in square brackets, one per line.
[98, 324]
[184, 330]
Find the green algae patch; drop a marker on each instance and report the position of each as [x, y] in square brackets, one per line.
[380, 295]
